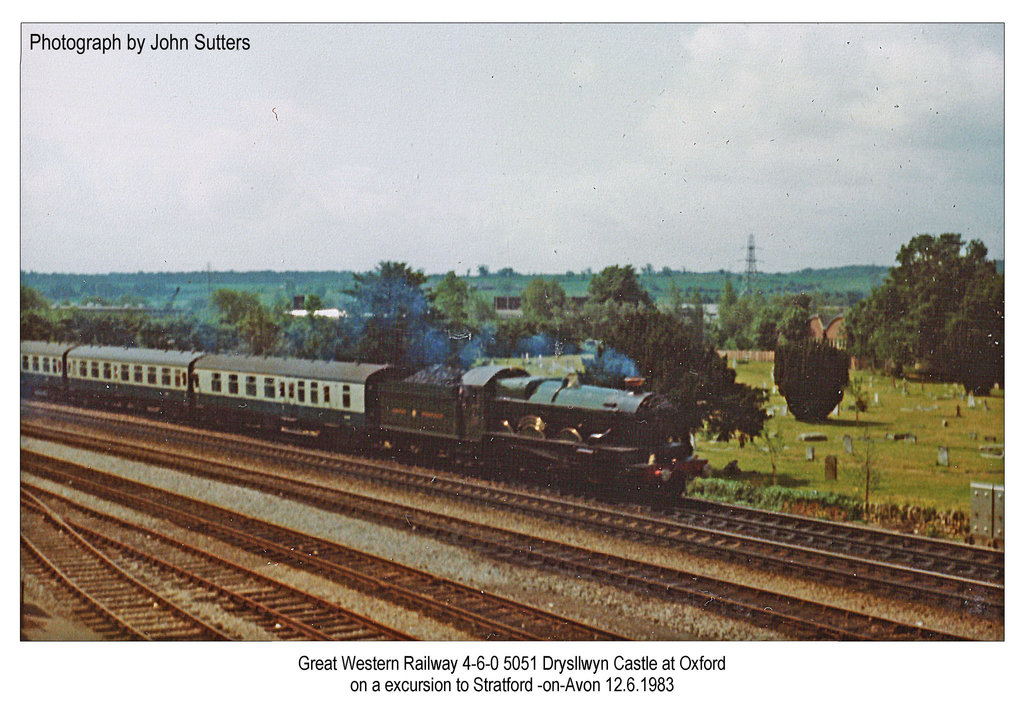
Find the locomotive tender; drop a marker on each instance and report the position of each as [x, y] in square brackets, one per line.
[597, 437]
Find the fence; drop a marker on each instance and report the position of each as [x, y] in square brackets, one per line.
[751, 355]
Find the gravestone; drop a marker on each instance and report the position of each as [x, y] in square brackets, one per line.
[812, 436]
[876, 397]
[810, 453]
[970, 401]
[831, 468]
[943, 456]
[848, 444]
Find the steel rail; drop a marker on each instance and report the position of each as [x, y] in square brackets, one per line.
[262, 595]
[804, 618]
[811, 561]
[449, 601]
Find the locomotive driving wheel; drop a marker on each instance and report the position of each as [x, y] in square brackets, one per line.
[570, 434]
[531, 426]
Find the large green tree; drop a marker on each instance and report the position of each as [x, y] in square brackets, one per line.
[393, 311]
[941, 308]
[811, 375]
[689, 373]
[619, 284]
[451, 299]
[37, 322]
[543, 301]
[256, 324]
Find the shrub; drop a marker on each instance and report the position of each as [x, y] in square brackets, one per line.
[811, 376]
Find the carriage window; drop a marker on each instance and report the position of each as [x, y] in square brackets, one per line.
[232, 384]
[106, 371]
[268, 387]
[57, 365]
[327, 394]
[35, 363]
[83, 368]
[215, 383]
[291, 390]
[24, 362]
[313, 393]
[165, 375]
[195, 381]
[151, 375]
[250, 386]
[302, 391]
[137, 373]
[124, 373]
[346, 397]
[94, 369]
[46, 364]
[280, 390]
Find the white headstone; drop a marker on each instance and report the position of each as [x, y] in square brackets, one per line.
[943, 456]
[810, 453]
[970, 399]
[848, 444]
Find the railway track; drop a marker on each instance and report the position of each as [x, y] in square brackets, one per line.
[279, 611]
[488, 616]
[111, 601]
[796, 617]
[949, 575]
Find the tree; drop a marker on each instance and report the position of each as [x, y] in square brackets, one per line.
[255, 323]
[543, 301]
[941, 309]
[619, 284]
[450, 298]
[811, 375]
[795, 317]
[36, 316]
[32, 300]
[690, 374]
[392, 310]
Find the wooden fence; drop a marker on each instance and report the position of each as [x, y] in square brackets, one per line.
[750, 355]
[767, 356]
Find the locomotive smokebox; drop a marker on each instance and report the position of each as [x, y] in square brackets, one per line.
[634, 384]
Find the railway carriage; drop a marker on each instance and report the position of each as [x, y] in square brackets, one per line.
[131, 378]
[596, 437]
[313, 396]
[42, 368]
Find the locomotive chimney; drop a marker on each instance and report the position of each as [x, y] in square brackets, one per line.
[634, 384]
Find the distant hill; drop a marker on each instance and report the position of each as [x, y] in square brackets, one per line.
[189, 290]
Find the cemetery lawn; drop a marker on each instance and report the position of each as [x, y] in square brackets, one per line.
[901, 472]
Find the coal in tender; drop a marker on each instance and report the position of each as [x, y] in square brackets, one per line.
[441, 375]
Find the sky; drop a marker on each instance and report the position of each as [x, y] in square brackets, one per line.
[542, 147]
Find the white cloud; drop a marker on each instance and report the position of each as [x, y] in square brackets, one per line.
[545, 147]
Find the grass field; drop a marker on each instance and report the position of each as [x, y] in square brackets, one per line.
[901, 472]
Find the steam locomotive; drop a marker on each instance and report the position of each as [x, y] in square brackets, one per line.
[598, 438]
